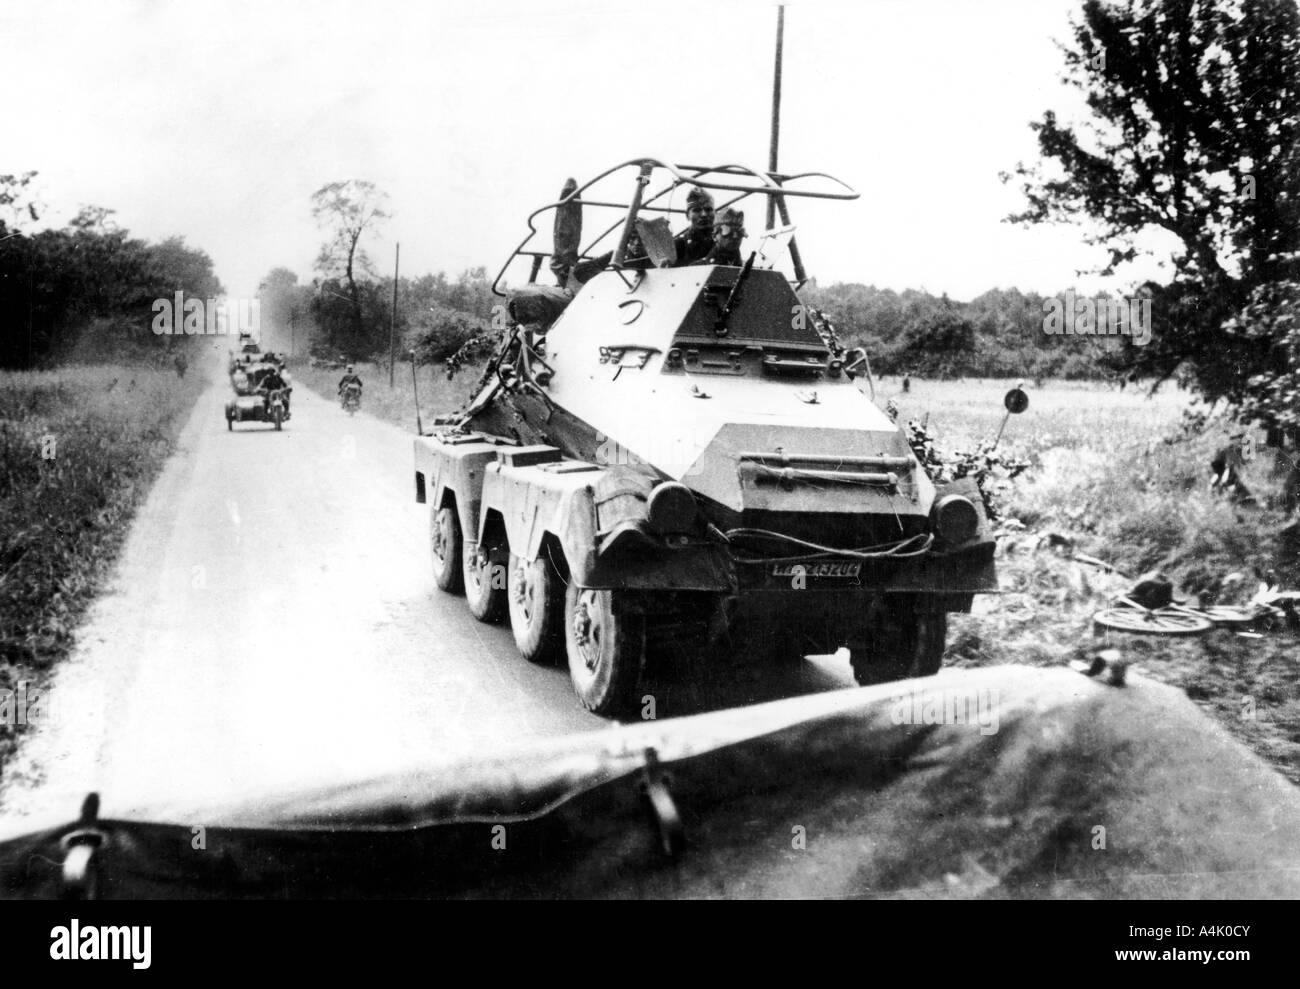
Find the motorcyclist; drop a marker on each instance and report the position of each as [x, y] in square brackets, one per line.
[350, 378]
[272, 380]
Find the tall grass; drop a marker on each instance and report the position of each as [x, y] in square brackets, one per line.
[79, 448]
[1116, 475]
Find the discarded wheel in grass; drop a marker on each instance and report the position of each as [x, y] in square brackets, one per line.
[1227, 615]
[1161, 622]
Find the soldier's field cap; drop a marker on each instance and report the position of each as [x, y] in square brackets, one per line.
[698, 197]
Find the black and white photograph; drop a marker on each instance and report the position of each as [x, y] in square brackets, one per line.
[571, 450]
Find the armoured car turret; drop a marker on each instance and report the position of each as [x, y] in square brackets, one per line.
[683, 456]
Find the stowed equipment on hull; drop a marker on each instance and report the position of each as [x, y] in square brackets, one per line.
[684, 457]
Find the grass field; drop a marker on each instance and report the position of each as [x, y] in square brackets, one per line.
[1115, 475]
[79, 448]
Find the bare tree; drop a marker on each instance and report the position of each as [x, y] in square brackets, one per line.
[346, 210]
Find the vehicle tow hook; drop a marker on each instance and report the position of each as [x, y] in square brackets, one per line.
[664, 818]
[80, 854]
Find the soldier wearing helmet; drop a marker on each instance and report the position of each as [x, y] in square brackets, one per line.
[270, 380]
[350, 378]
[696, 241]
[728, 232]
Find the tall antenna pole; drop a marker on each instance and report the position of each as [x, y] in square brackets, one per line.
[392, 321]
[776, 111]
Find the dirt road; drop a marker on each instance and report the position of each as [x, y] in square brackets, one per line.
[273, 621]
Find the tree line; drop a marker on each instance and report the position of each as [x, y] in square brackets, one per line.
[1192, 129]
[436, 314]
[85, 289]
[995, 335]
[346, 311]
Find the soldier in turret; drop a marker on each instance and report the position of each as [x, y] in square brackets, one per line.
[696, 241]
[728, 232]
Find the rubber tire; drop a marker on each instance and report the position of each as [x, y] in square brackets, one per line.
[906, 646]
[610, 689]
[537, 618]
[277, 420]
[446, 569]
[230, 424]
[486, 603]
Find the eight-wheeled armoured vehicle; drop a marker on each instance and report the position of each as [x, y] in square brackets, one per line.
[667, 457]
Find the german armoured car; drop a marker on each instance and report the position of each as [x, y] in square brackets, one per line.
[665, 455]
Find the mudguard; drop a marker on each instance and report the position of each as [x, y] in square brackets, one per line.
[452, 464]
[534, 492]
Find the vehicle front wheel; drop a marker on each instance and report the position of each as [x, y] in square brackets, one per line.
[605, 642]
[485, 585]
[230, 423]
[445, 543]
[899, 646]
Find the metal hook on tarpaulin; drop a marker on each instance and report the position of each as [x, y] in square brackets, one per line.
[81, 854]
[664, 817]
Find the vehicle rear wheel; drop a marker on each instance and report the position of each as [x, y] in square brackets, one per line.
[445, 542]
[230, 423]
[899, 646]
[485, 585]
[605, 642]
[536, 604]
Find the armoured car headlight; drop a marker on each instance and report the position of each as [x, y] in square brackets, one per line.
[671, 508]
[954, 519]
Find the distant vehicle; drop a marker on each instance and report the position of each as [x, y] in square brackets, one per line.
[351, 398]
[684, 457]
[247, 351]
[251, 404]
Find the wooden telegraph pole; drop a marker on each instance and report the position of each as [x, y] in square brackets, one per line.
[392, 323]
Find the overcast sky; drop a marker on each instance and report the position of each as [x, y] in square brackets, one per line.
[216, 121]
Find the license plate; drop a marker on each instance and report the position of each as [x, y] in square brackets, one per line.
[844, 570]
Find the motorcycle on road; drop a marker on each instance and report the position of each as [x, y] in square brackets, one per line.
[350, 398]
[271, 406]
[275, 407]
